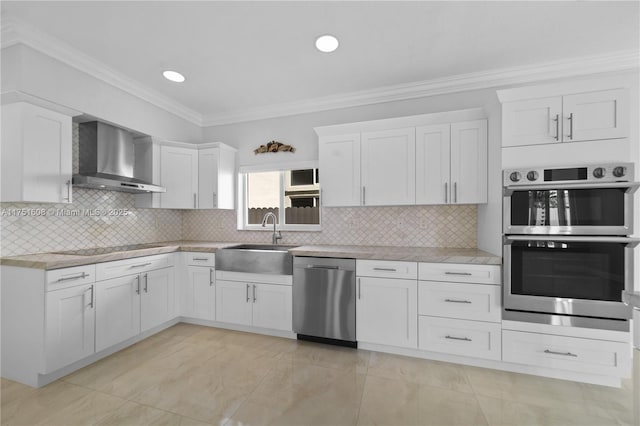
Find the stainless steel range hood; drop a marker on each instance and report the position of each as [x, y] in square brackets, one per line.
[106, 158]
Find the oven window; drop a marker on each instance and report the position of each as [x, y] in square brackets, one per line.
[568, 207]
[593, 271]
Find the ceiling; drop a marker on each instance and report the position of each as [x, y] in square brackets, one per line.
[239, 56]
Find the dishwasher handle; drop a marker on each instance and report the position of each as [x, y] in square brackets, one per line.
[321, 267]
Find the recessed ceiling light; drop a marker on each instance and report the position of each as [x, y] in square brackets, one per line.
[326, 43]
[173, 76]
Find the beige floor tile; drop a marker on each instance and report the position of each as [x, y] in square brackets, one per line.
[182, 330]
[389, 402]
[421, 371]
[618, 399]
[510, 413]
[132, 414]
[439, 406]
[299, 393]
[337, 357]
[100, 374]
[59, 403]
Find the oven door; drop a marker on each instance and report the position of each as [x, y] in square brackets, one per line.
[570, 209]
[582, 276]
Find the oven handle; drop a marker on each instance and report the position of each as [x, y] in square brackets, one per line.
[632, 242]
[632, 186]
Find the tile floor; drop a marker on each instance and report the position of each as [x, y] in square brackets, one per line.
[192, 375]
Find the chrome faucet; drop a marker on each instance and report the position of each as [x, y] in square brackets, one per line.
[276, 234]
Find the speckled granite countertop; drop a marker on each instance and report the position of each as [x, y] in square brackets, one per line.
[62, 260]
[409, 254]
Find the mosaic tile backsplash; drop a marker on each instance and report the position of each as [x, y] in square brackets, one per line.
[420, 226]
[57, 227]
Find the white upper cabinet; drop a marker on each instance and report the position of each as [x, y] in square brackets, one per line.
[469, 162]
[594, 115]
[194, 176]
[426, 159]
[340, 170]
[388, 167]
[433, 164]
[451, 163]
[36, 154]
[179, 175]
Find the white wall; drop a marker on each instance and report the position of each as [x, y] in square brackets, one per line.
[27, 70]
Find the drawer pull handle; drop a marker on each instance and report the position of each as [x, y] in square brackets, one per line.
[201, 259]
[458, 273]
[141, 265]
[547, 351]
[385, 269]
[466, 339]
[457, 301]
[75, 277]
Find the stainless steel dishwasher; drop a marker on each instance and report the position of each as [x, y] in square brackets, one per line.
[324, 300]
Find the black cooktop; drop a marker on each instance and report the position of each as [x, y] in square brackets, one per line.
[104, 250]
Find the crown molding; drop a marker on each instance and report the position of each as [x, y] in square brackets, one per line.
[15, 32]
[574, 67]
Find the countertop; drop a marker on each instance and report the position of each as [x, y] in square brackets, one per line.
[632, 298]
[409, 254]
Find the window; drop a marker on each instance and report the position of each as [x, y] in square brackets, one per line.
[293, 195]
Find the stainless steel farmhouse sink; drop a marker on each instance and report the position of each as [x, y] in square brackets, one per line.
[256, 258]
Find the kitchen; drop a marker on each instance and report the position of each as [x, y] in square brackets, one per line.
[67, 68]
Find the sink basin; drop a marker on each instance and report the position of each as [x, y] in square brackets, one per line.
[256, 259]
[261, 247]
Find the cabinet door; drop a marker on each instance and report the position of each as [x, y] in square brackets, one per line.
[388, 167]
[117, 310]
[386, 312]
[208, 160]
[158, 298]
[596, 115]
[36, 154]
[233, 302]
[200, 294]
[339, 161]
[69, 326]
[272, 306]
[532, 122]
[469, 162]
[433, 164]
[179, 175]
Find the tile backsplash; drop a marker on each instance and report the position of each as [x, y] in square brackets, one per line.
[56, 227]
[420, 226]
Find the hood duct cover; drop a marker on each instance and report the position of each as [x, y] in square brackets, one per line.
[106, 158]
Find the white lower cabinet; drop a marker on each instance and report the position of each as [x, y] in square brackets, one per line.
[117, 310]
[460, 337]
[199, 296]
[69, 326]
[386, 308]
[254, 304]
[127, 306]
[567, 353]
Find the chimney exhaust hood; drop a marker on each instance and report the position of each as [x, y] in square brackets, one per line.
[106, 158]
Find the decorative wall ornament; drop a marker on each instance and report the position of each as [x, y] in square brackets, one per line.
[274, 146]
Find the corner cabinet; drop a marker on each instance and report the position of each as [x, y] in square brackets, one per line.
[36, 154]
[194, 175]
[378, 164]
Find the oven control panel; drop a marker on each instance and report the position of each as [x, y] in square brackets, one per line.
[616, 172]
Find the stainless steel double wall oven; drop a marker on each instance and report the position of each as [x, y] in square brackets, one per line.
[568, 253]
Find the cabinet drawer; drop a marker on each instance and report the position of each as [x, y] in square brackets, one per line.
[387, 269]
[57, 279]
[120, 268]
[566, 353]
[460, 272]
[463, 301]
[459, 337]
[200, 259]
